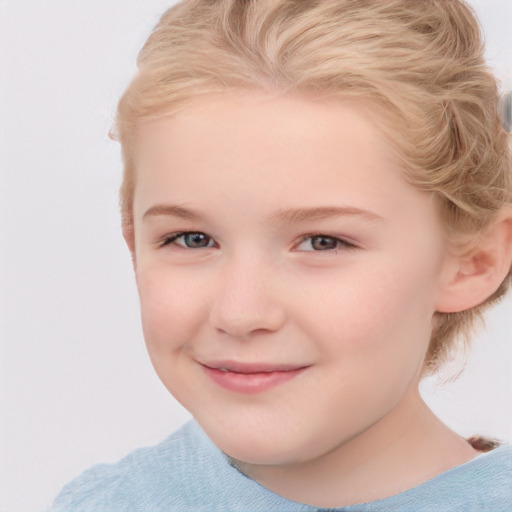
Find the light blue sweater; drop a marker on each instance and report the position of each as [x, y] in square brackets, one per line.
[187, 472]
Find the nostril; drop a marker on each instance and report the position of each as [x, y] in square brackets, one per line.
[247, 322]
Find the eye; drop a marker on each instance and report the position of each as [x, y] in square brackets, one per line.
[323, 243]
[189, 240]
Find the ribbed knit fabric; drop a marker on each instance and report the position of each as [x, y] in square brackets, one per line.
[187, 472]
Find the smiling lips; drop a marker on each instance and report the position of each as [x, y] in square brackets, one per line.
[250, 378]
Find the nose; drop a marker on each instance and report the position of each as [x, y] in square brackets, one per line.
[246, 300]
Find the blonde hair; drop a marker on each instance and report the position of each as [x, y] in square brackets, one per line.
[419, 62]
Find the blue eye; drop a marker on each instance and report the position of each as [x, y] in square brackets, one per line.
[189, 240]
[323, 243]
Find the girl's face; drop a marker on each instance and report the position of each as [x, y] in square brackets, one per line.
[287, 273]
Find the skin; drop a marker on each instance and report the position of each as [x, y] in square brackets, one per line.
[354, 308]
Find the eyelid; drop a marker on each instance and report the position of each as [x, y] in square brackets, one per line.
[346, 243]
[170, 239]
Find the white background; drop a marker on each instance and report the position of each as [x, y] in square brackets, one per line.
[76, 385]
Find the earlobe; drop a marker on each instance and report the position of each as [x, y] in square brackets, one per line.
[478, 272]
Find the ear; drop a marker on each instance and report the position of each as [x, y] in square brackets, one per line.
[474, 275]
[129, 238]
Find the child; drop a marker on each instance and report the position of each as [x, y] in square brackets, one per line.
[317, 200]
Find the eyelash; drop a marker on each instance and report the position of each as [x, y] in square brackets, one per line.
[340, 242]
[170, 239]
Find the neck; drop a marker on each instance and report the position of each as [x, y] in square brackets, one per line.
[408, 446]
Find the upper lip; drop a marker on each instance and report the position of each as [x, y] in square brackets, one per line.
[240, 367]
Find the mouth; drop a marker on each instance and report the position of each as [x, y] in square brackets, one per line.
[249, 378]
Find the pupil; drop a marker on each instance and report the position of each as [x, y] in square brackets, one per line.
[196, 240]
[322, 243]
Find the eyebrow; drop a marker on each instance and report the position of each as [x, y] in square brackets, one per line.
[296, 215]
[289, 216]
[172, 210]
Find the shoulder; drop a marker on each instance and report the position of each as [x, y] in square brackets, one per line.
[492, 469]
[185, 472]
[144, 478]
[484, 483]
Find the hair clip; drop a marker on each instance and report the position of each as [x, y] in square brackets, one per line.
[505, 110]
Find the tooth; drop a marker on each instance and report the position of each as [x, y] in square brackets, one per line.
[223, 369]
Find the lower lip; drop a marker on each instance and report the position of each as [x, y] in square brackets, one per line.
[250, 383]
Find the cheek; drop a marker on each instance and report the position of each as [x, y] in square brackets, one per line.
[374, 333]
[372, 310]
[171, 307]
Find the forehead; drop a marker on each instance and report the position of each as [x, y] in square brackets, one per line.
[251, 149]
[216, 120]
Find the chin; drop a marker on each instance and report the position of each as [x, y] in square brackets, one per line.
[262, 446]
[270, 456]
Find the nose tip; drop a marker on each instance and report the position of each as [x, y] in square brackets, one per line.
[241, 321]
[246, 326]
[244, 306]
